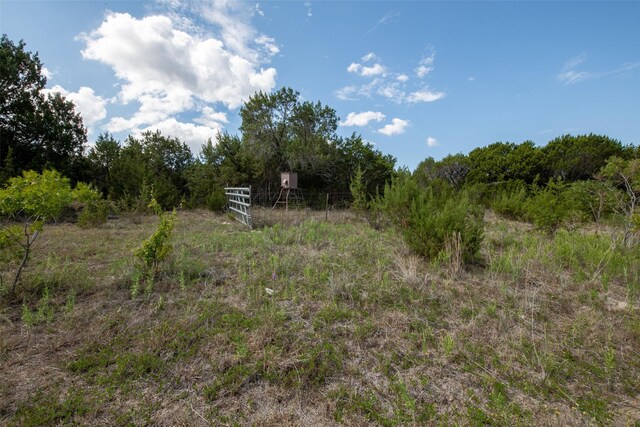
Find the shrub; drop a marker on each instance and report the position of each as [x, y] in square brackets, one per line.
[437, 219]
[430, 219]
[367, 205]
[511, 203]
[93, 214]
[94, 209]
[549, 207]
[29, 201]
[216, 200]
[156, 248]
[398, 199]
[593, 200]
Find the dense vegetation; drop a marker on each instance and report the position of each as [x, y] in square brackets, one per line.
[511, 298]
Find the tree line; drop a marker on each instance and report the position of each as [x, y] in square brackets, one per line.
[280, 132]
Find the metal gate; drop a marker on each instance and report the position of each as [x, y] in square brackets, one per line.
[240, 203]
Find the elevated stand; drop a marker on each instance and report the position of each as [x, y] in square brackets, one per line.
[286, 195]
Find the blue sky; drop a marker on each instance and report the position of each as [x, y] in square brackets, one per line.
[415, 78]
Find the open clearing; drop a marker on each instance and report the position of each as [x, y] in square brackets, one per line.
[321, 324]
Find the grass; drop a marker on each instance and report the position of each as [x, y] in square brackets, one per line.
[318, 323]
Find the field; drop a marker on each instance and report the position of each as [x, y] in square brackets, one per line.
[321, 323]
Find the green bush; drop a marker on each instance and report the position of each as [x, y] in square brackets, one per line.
[549, 207]
[593, 200]
[511, 203]
[216, 200]
[94, 214]
[398, 199]
[436, 219]
[93, 209]
[27, 203]
[156, 248]
[431, 218]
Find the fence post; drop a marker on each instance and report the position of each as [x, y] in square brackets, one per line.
[326, 209]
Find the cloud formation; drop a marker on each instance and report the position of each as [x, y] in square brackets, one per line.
[425, 95]
[393, 86]
[396, 127]
[374, 70]
[425, 66]
[168, 66]
[571, 74]
[362, 119]
[432, 142]
[91, 107]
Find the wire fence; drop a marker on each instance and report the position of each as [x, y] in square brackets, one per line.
[291, 206]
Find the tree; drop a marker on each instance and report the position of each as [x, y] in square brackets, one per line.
[31, 200]
[505, 161]
[284, 134]
[625, 175]
[36, 131]
[151, 162]
[454, 169]
[352, 154]
[102, 157]
[574, 158]
[225, 164]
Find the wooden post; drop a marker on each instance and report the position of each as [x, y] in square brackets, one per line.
[326, 209]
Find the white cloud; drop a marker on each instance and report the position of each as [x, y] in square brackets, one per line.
[46, 73]
[425, 66]
[154, 58]
[347, 93]
[389, 17]
[392, 91]
[211, 118]
[374, 70]
[471, 79]
[362, 119]
[233, 20]
[571, 75]
[388, 84]
[354, 68]
[91, 107]
[192, 135]
[353, 92]
[423, 70]
[268, 43]
[369, 57]
[425, 96]
[432, 142]
[396, 127]
[169, 67]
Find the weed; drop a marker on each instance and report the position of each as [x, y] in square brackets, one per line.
[53, 408]
[43, 312]
[448, 344]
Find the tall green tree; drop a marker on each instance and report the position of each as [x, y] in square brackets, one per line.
[282, 134]
[353, 154]
[574, 158]
[151, 163]
[506, 161]
[36, 131]
[102, 157]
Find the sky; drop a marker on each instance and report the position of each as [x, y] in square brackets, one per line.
[416, 79]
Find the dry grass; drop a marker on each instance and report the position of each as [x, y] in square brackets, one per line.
[356, 330]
